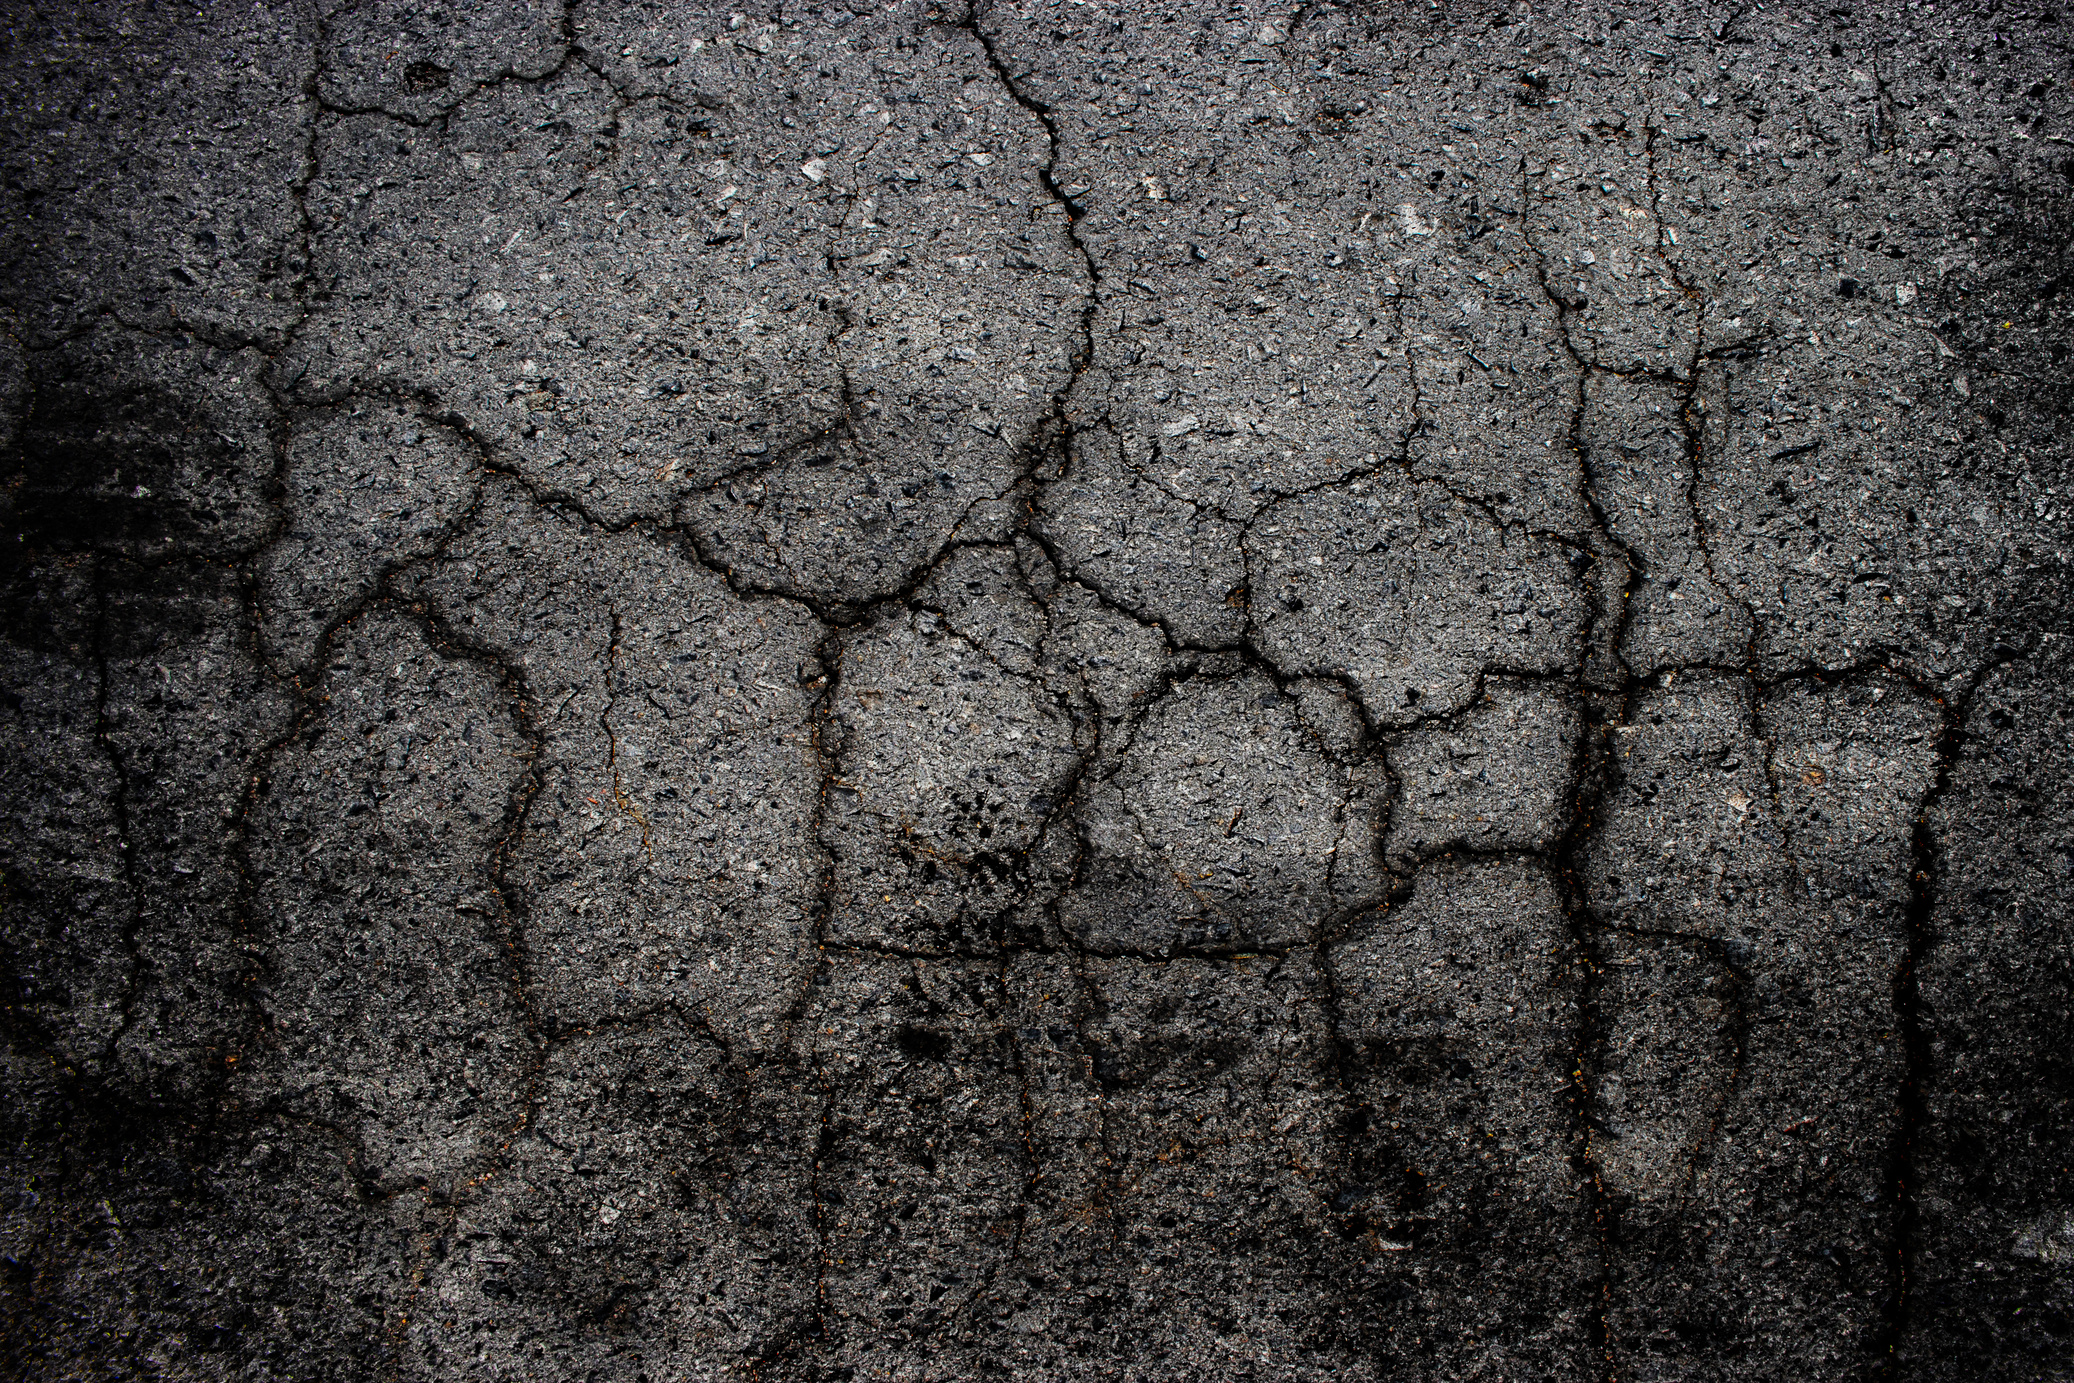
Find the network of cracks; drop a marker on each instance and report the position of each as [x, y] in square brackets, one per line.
[920, 871]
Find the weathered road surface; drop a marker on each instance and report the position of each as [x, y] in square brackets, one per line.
[1082, 690]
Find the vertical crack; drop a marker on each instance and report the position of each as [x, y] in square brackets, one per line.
[308, 698]
[1589, 781]
[1926, 859]
[1633, 571]
[827, 749]
[1690, 405]
[1047, 175]
[825, 744]
[447, 640]
[450, 642]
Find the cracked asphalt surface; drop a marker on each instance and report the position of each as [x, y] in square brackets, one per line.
[1056, 690]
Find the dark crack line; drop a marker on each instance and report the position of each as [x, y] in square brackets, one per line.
[826, 741]
[1589, 780]
[1926, 860]
[1735, 1033]
[1589, 768]
[573, 55]
[449, 642]
[1690, 404]
[309, 697]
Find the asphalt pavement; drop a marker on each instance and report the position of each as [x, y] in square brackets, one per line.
[1047, 691]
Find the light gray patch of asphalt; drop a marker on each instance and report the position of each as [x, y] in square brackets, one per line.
[1048, 691]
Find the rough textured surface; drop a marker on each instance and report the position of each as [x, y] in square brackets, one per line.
[1045, 690]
